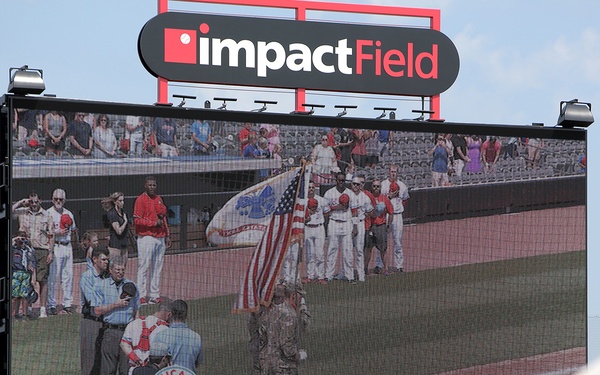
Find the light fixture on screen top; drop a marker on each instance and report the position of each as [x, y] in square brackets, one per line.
[24, 81]
[345, 109]
[574, 113]
[264, 103]
[310, 112]
[383, 113]
[422, 112]
[225, 100]
[183, 98]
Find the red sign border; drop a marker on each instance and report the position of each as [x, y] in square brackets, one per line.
[434, 16]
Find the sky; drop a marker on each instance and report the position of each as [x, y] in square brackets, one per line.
[518, 59]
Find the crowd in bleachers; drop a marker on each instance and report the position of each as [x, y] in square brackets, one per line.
[369, 151]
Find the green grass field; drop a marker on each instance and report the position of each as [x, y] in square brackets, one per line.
[414, 323]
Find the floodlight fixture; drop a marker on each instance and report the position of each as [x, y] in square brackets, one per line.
[574, 113]
[225, 100]
[264, 103]
[183, 98]
[345, 107]
[422, 112]
[23, 81]
[308, 113]
[383, 113]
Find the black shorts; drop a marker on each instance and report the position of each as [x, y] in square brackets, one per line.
[377, 236]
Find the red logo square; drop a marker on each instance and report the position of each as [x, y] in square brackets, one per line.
[181, 46]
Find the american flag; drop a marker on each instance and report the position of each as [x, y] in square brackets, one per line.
[285, 228]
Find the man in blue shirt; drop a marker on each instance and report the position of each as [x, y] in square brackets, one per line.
[184, 344]
[118, 308]
[201, 136]
[91, 324]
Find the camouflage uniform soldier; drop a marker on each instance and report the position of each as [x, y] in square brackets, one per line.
[283, 351]
[257, 327]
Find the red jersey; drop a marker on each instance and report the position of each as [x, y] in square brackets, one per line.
[145, 215]
[389, 209]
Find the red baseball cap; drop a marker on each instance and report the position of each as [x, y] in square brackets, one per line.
[394, 187]
[313, 203]
[65, 221]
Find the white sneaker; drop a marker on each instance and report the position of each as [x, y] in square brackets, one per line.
[43, 312]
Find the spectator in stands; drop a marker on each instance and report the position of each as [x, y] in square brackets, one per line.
[582, 163]
[350, 171]
[323, 158]
[251, 148]
[439, 165]
[461, 156]
[386, 141]
[105, 142]
[262, 152]
[344, 146]
[37, 223]
[490, 153]
[55, 131]
[26, 123]
[371, 148]
[277, 150]
[202, 137]
[359, 152]
[534, 151]
[474, 153]
[164, 134]
[80, 136]
[119, 230]
[272, 135]
[510, 150]
[244, 134]
[134, 132]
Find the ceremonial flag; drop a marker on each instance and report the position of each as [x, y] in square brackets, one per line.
[285, 228]
[243, 220]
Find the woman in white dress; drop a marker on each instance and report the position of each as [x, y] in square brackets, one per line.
[105, 142]
[324, 160]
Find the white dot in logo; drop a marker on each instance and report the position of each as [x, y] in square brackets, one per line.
[185, 38]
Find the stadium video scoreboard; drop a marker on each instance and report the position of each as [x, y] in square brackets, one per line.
[461, 229]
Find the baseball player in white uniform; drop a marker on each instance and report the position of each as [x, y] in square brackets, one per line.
[398, 198]
[361, 206]
[314, 236]
[339, 229]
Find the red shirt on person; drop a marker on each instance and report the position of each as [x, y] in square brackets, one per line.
[146, 213]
